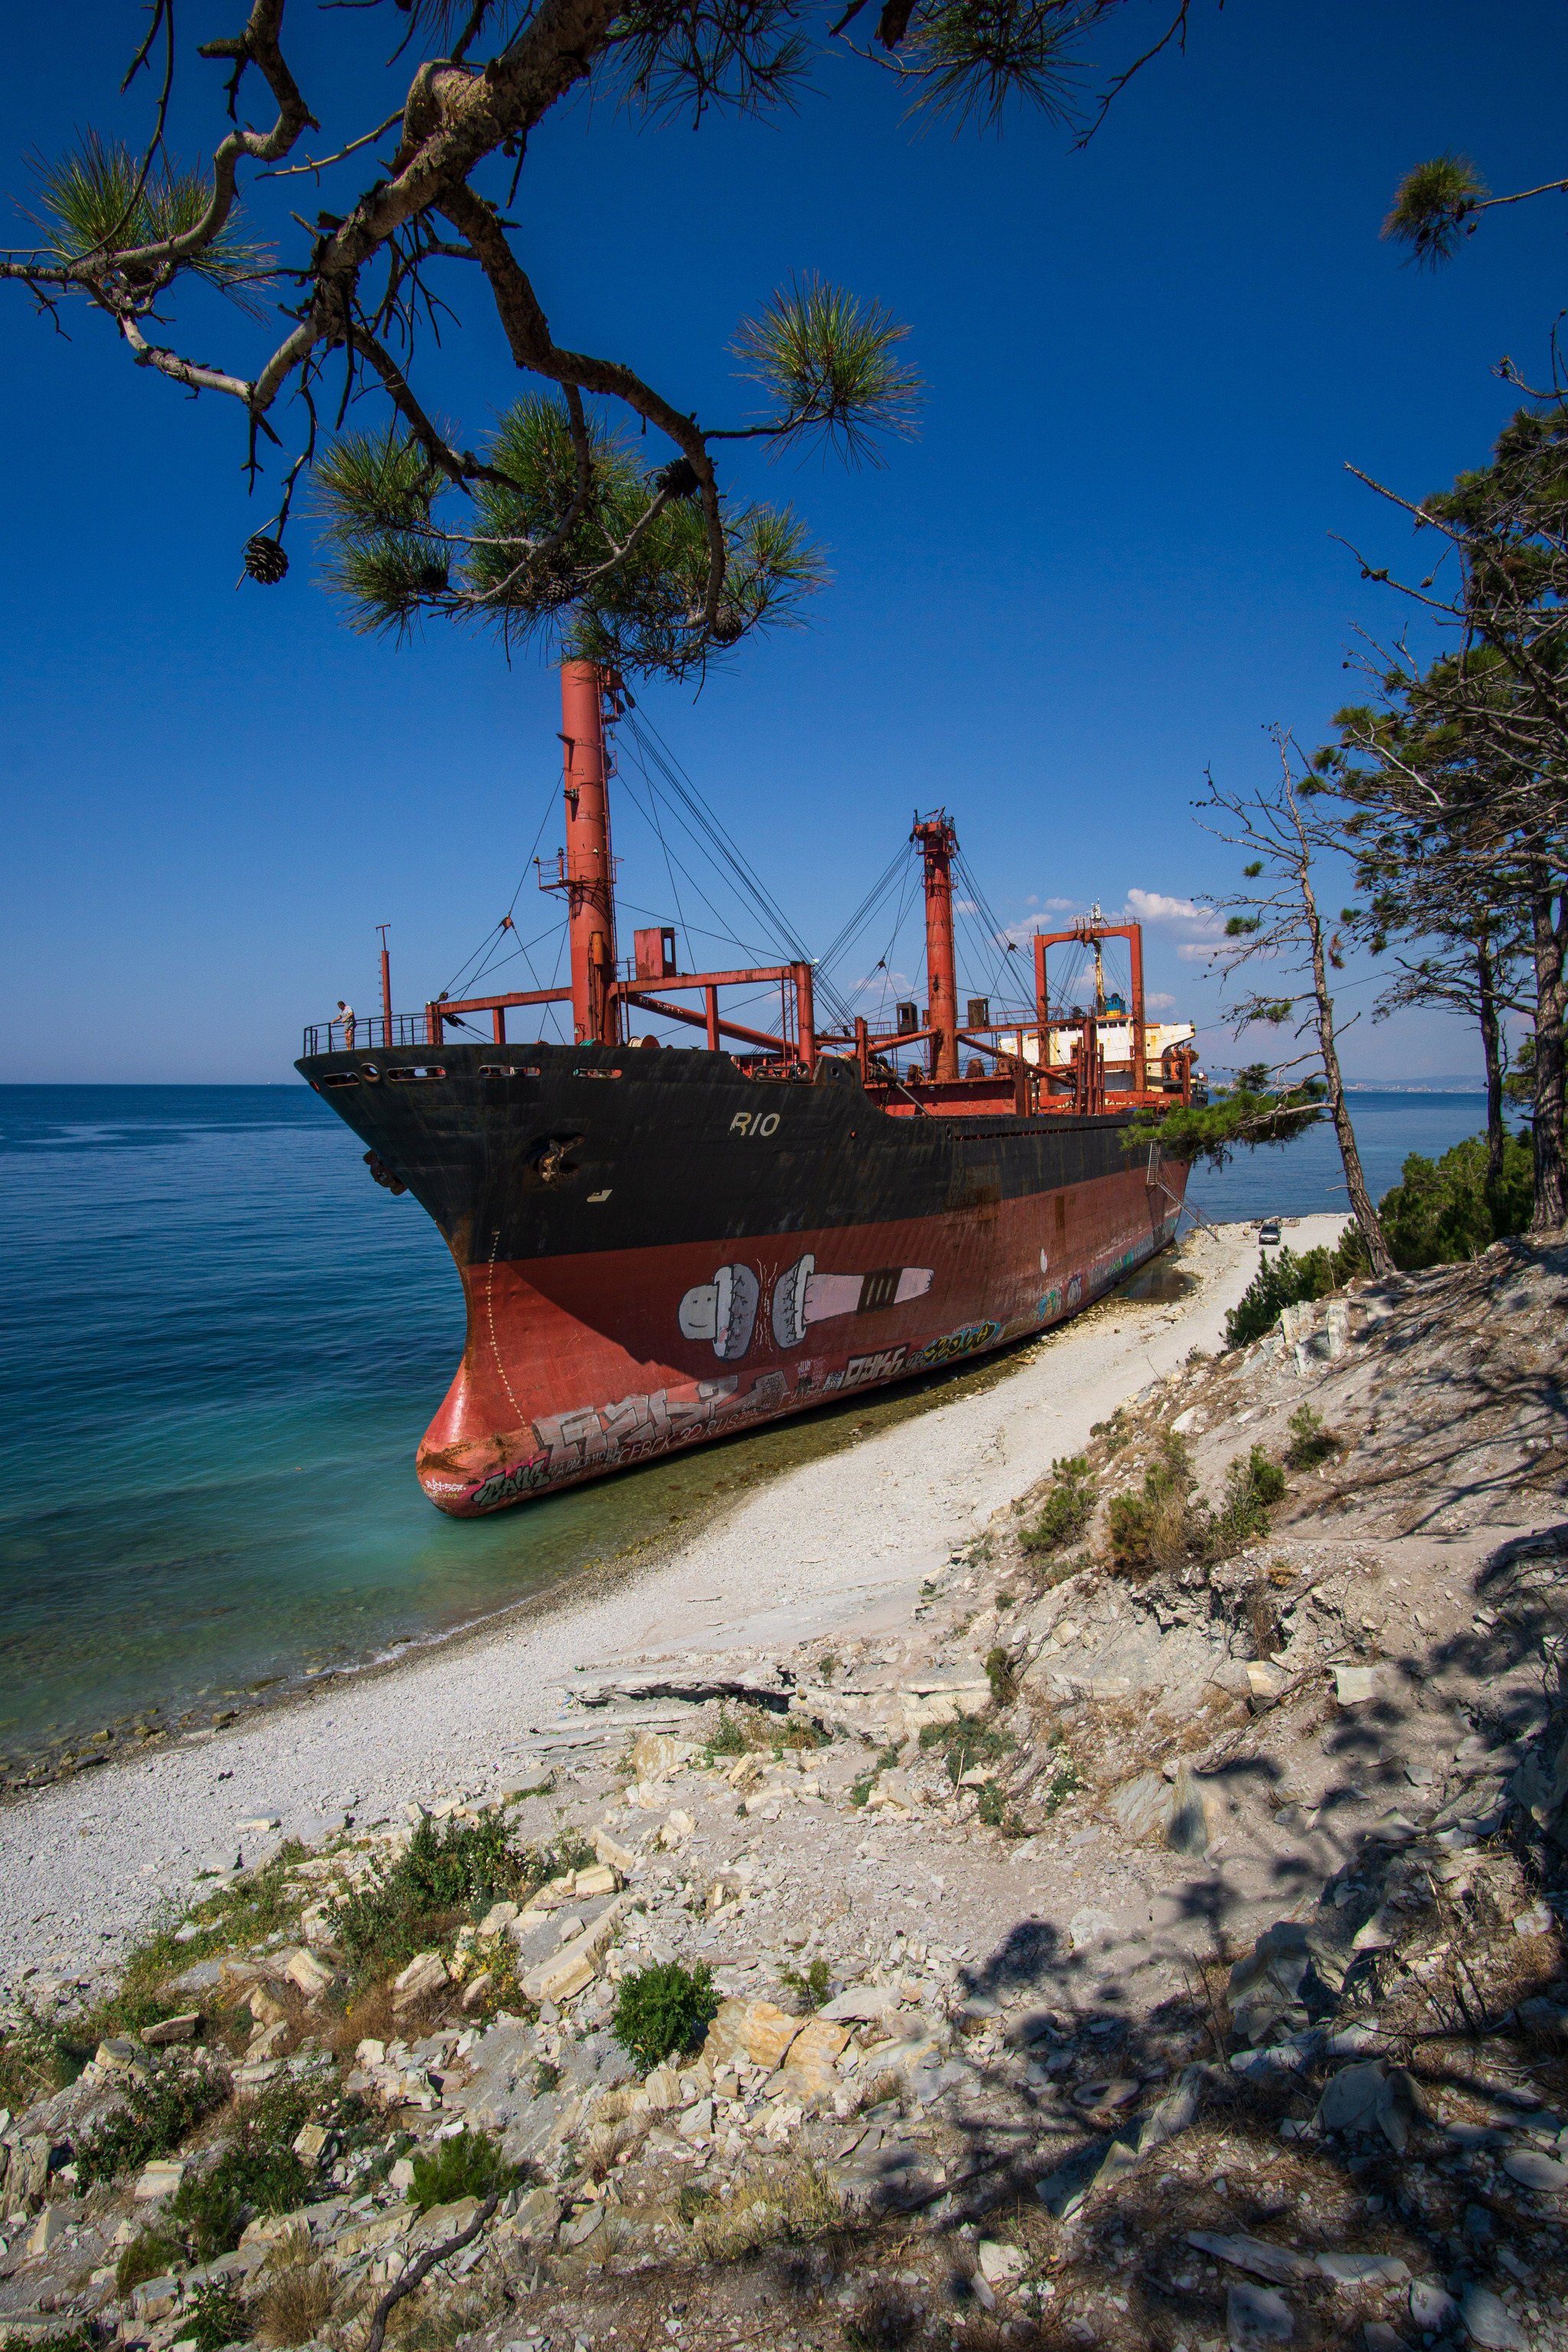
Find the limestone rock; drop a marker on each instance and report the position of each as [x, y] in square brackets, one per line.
[1488, 2322]
[46, 2231]
[1190, 1828]
[172, 2028]
[537, 2216]
[809, 2069]
[658, 1753]
[159, 2180]
[1363, 2270]
[445, 2221]
[312, 1976]
[1535, 2169]
[567, 1972]
[1372, 2097]
[758, 2031]
[310, 2144]
[1432, 2307]
[425, 1975]
[608, 1848]
[999, 2263]
[1143, 1806]
[1277, 2265]
[580, 2227]
[1257, 2315]
[859, 2005]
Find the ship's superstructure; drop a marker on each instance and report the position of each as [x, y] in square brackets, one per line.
[661, 1244]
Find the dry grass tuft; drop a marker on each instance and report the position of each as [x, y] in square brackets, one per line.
[298, 2299]
[764, 2210]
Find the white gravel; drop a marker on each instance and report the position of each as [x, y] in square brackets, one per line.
[88, 1864]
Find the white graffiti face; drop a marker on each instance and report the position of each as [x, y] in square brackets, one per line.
[789, 1302]
[801, 1295]
[723, 1310]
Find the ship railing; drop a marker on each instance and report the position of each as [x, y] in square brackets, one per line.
[364, 1032]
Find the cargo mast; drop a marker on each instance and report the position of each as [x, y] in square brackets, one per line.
[588, 872]
[938, 842]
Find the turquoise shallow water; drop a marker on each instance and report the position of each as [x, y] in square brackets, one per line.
[219, 1342]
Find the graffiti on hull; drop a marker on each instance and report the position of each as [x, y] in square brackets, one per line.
[953, 1345]
[589, 1438]
[725, 1311]
[861, 1369]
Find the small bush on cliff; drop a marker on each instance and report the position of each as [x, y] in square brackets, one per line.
[257, 2171]
[1157, 1528]
[1285, 1280]
[1252, 1483]
[149, 2255]
[1443, 1211]
[1310, 1442]
[155, 2119]
[446, 1870]
[467, 2165]
[663, 2010]
[1067, 1510]
[968, 1740]
[215, 2318]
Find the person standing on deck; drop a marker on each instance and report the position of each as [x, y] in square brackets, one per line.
[346, 1015]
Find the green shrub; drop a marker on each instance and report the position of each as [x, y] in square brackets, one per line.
[1066, 1780]
[257, 2171]
[469, 2164]
[758, 1729]
[663, 2010]
[966, 1741]
[1310, 1442]
[155, 2118]
[996, 1814]
[1067, 1510]
[726, 1738]
[1285, 1280]
[1156, 1528]
[446, 1870]
[149, 2255]
[214, 2316]
[885, 1758]
[1442, 1211]
[1252, 1483]
[810, 1989]
[1000, 1676]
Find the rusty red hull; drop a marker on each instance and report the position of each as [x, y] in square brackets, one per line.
[657, 1250]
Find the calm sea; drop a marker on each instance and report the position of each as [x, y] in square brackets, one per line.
[219, 1343]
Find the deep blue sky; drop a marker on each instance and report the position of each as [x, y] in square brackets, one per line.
[1106, 564]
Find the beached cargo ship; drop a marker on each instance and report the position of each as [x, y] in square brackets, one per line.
[659, 1246]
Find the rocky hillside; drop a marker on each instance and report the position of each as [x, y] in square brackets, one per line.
[1152, 1941]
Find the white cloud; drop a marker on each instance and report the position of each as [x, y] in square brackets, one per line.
[1156, 906]
[1160, 1002]
[1060, 906]
[1196, 950]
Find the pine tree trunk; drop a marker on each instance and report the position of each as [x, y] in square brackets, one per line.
[1372, 1234]
[1550, 940]
[1491, 1045]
